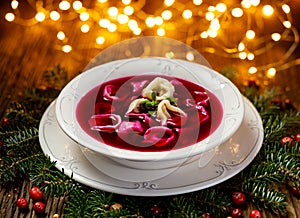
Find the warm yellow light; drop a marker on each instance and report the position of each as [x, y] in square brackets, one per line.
[123, 18]
[61, 35]
[190, 56]
[241, 46]
[113, 11]
[169, 54]
[77, 5]
[276, 37]
[166, 15]
[255, 2]
[85, 28]
[158, 20]
[128, 10]
[237, 12]
[104, 22]
[215, 24]
[64, 5]
[14, 4]
[102, 1]
[211, 8]
[252, 70]
[204, 35]
[150, 22]
[54, 15]
[250, 34]
[268, 10]
[250, 56]
[40, 16]
[246, 3]
[197, 2]
[126, 2]
[9, 17]
[187, 14]
[169, 2]
[211, 33]
[137, 31]
[287, 24]
[100, 40]
[271, 72]
[132, 24]
[221, 7]
[209, 16]
[112, 27]
[84, 16]
[243, 55]
[286, 8]
[161, 32]
[67, 48]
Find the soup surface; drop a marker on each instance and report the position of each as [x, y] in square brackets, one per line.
[149, 113]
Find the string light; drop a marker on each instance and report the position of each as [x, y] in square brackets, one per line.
[85, 28]
[67, 48]
[237, 12]
[166, 15]
[250, 34]
[10, 17]
[197, 2]
[61, 35]
[267, 10]
[84, 16]
[252, 70]
[276, 37]
[54, 15]
[100, 40]
[77, 5]
[271, 72]
[14, 4]
[131, 19]
[40, 16]
[187, 14]
[64, 5]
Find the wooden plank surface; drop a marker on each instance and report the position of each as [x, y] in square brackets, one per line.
[26, 52]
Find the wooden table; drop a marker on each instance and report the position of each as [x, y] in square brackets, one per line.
[25, 52]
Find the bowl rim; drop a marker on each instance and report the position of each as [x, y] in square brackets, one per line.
[71, 126]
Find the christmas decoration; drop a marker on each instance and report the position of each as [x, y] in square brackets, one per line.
[22, 203]
[39, 207]
[36, 193]
[255, 214]
[236, 213]
[238, 198]
[276, 164]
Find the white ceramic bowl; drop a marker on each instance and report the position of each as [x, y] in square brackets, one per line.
[228, 95]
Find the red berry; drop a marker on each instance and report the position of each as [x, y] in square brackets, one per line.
[236, 213]
[22, 203]
[255, 214]
[238, 198]
[286, 139]
[39, 207]
[295, 190]
[206, 215]
[155, 210]
[36, 193]
[297, 137]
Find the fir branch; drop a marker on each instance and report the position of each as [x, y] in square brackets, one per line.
[52, 181]
[14, 169]
[262, 196]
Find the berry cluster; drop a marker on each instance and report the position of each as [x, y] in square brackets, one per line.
[37, 196]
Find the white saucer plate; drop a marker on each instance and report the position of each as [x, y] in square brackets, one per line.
[212, 168]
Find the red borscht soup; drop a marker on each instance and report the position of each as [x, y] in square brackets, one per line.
[149, 113]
